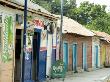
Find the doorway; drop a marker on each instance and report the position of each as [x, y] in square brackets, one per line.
[84, 56]
[35, 56]
[96, 56]
[74, 67]
[18, 55]
[65, 56]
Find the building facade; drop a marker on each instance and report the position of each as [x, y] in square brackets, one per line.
[79, 56]
[41, 41]
[77, 46]
[95, 52]
[104, 48]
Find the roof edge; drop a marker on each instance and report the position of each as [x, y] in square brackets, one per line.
[18, 6]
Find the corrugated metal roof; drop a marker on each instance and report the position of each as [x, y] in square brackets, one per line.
[103, 35]
[30, 4]
[71, 26]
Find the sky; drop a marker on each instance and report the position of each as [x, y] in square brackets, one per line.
[101, 2]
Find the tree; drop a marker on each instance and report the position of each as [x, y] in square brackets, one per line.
[87, 12]
[100, 24]
[93, 16]
[54, 6]
[68, 4]
[44, 3]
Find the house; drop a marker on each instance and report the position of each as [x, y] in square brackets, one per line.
[105, 46]
[40, 49]
[77, 46]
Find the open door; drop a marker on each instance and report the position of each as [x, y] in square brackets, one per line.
[18, 56]
[35, 57]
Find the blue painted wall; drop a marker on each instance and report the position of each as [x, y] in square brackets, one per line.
[42, 66]
[28, 67]
[53, 56]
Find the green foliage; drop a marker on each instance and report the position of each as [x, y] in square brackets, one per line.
[67, 6]
[100, 24]
[93, 16]
[44, 3]
[54, 6]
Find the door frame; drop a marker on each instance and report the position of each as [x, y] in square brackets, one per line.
[68, 52]
[96, 47]
[74, 62]
[94, 56]
[84, 56]
[37, 52]
[21, 52]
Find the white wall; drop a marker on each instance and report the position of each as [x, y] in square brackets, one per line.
[49, 54]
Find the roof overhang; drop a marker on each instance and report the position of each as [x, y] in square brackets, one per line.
[13, 5]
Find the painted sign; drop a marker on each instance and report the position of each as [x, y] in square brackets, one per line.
[43, 38]
[58, 69]
[38, 24]
[8, 38]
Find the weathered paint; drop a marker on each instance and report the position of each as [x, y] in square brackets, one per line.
[103, 55]
[8, 47]
[54, 46]
[7, 69]
[53, 55]
[96, 56]
[28, 59]
[73, 38]
[42, 66]
[65, 54]
[85, 56]
[42, 56]
[8, 38]
[103, 52]
[57, 45]
[74, 64]
[107, 59]
[49, 54]
[95, 52]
